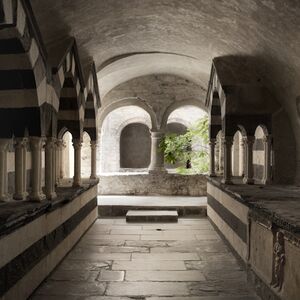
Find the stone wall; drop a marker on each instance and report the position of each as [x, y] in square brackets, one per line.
[135, 146]
[153, 184]
[262, 227]
[35, 237]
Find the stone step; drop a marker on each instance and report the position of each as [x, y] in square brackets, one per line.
[121, 210]
[152, 216]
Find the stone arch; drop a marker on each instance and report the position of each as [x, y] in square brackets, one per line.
[177, 105]
[126, 102]
[92, 104]
[23, 73]
[111, 132]
[215, 116]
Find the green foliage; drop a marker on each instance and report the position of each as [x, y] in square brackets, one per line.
[191, 146]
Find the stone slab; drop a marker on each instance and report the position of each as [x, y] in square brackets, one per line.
[152, 216]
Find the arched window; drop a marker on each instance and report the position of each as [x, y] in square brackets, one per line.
[135, 146]
[237, 155]
[68, 156]
[262, 155]
[86, 156]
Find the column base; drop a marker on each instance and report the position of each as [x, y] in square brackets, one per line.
[51, 196]
[94, 177]
[157, 170]
[37, 198]
[20, 196]
[5, 198]
[76, 184]
[226, 181]
[266, 181]
[248, 180]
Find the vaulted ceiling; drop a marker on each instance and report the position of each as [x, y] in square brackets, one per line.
[133, 38]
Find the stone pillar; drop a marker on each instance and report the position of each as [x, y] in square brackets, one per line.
[212, 145]
[59, 161]
[267, 163]
[242, 158]
[157, 156]
[20, 169]
[25, 166]
[236, 156]
[221, 158]
[36, 144]
[227, 148]
[248, 142]
[50, 167]
[77, 162]
[61, 164]
[93, 159]
[3, 169]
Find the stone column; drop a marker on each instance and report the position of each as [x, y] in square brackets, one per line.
[61, 146]
[267, 164]
[36, 144]
[242, 158]
[212, 145]
[227, 148]
[59, 161]
[20, 169]
[3, 169]
[221, 158]
[25, 166]
[50, 168]
[157, 156]
[77, 162]
[93, 159]
[248, 142]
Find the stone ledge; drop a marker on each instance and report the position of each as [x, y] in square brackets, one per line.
[271, 204]
[16, 214]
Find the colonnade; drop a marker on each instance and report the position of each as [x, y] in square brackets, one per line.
[53, 173]
[246, 159]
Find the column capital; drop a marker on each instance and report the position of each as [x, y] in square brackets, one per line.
[51, 142]
[227, 140]
[247, 140]
[77, 143]
[4, 144]
[36, 142]
[20, 142]
[157, 134]
[212, 141]
[267, 138]
[93, 144]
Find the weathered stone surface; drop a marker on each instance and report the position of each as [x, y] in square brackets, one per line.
[107, 275]
[164, 276]
[65, 288]
[74, 275]
[148, 265]
[160, 184]
[69, 264]
[178, 269]
[146, 288]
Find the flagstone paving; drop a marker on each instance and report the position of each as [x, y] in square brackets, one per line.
[119, 261]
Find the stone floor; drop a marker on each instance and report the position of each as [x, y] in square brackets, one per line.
[119, 261]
